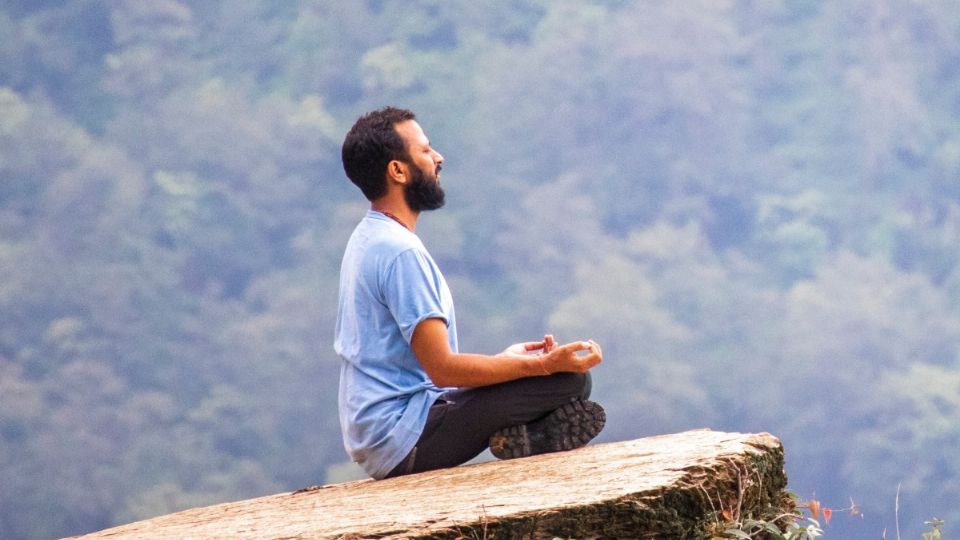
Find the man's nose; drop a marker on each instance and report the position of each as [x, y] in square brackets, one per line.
[437, 158]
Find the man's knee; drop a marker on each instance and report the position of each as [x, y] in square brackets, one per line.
[574, 385]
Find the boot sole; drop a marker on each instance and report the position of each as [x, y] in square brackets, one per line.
[571, 426]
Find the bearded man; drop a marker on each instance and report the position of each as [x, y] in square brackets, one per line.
[409, 400]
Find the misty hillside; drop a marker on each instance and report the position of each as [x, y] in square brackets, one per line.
[753, 206]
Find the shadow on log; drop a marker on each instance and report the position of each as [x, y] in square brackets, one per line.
[670, 486]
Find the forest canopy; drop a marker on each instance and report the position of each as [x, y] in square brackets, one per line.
[754, 206]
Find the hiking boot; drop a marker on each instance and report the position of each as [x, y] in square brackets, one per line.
[571, 426]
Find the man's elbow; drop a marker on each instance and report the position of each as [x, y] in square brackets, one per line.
[441, 372]
[443, 380]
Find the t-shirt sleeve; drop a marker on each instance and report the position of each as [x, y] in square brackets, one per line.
[412, 291]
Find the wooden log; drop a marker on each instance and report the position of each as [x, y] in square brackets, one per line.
[671, 486]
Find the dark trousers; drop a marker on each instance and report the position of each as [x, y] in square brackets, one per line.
[461, 422]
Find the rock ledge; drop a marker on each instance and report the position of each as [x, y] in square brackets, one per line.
[669, 486]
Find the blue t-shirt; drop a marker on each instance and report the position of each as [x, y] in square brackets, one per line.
[388, 285]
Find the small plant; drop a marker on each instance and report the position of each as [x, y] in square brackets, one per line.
[790, 526]
[934, 532]
[796, 528]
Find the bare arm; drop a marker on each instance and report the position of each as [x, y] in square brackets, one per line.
[447, 368]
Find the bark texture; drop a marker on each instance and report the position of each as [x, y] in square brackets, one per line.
[671, 486]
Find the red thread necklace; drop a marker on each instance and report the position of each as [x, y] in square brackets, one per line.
[395, 218]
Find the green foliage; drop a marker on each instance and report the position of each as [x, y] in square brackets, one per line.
[752, 206]
[795, 529]
[934, 532]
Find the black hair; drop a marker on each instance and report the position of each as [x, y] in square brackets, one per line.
[370, 145]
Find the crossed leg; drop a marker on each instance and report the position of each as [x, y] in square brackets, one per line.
[460, 423]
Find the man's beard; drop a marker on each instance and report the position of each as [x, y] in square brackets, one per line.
[423, 193]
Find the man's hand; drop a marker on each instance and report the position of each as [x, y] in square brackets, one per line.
[531, 347]
[568, 358]
[554, 358]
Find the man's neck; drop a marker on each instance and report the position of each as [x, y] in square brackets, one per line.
[400, 213]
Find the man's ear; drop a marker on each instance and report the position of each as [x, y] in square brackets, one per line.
[397, 171]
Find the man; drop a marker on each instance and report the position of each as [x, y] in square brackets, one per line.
[409, 400]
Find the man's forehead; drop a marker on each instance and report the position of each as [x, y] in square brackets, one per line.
[411, 132]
